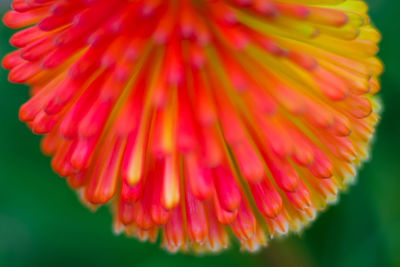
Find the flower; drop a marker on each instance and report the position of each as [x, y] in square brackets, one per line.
[199, 119]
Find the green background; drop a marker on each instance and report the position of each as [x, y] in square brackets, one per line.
[43, 224]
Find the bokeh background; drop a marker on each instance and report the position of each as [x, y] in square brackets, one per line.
[43, 224]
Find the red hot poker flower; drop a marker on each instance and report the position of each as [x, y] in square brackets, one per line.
[199, 118]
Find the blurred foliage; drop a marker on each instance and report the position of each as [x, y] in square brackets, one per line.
[43, 224]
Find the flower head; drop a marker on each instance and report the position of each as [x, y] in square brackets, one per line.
[200, 119]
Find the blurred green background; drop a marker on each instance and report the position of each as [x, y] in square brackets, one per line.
[43, 224]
